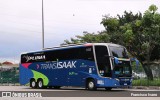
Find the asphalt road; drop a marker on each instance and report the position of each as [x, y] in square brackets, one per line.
[74, 92]
[27, 88]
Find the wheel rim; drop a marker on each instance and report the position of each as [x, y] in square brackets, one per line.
[40, 84]
[33, 83]
[91, 85]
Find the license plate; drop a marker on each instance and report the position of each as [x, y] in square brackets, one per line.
[125, 83]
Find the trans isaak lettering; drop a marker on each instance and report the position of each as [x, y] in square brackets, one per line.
[59, 65]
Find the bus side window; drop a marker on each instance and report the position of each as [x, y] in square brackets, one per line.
[86, 53]
[89, 53]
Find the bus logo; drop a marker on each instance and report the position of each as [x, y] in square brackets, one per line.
[29, 58]
[59, 65]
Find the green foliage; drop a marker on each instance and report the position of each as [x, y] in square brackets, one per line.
[110, 24]
[101, 37]
[135, 68]
[153, 8]
[146, 82]
[138, 23]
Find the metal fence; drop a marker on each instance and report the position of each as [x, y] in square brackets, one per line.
[140, 78]
[9, 76]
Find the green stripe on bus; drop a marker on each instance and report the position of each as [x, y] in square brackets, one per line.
[40, 75]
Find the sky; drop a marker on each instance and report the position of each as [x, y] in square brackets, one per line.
[21, 21]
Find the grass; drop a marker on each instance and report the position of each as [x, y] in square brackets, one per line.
[146, 82]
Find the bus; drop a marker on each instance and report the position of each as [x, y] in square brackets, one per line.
[90, 65]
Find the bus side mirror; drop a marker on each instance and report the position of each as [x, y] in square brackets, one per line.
[137, 63]
[116, 60]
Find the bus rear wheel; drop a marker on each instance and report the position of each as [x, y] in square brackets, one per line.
[32, 83]
[91, 85]
[40, 83]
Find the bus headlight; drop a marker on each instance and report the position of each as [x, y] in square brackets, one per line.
[117, 79]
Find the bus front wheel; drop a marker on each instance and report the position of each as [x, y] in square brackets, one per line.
[91, 85]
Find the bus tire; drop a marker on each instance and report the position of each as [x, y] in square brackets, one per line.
[40, 84]
[108, 88]
[91, 85]
[33, 83]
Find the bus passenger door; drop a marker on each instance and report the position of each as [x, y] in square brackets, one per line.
[103, 62]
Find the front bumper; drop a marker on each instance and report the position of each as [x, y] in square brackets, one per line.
[110, 82]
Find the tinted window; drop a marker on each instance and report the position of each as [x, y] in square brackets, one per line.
[119, 52]
[123, 69]
[85, 53]
[33, 57]
[103, 61]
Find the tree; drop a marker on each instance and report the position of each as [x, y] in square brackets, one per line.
[140, 34]
[101, 37]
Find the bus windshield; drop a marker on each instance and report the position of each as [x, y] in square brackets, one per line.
[123, 69]
[119, 52]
